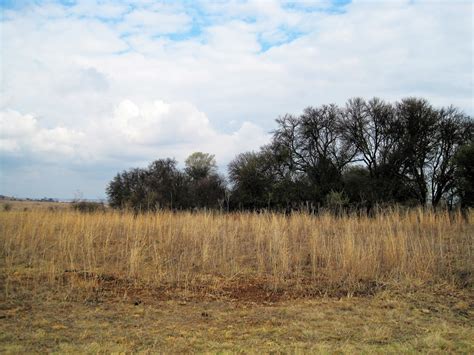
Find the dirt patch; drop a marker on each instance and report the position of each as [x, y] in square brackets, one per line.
[102, 287]
[386, 323]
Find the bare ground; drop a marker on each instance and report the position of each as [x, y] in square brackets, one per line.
[107, 315]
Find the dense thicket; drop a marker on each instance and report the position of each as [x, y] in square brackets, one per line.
[363, 154]
[163, 186]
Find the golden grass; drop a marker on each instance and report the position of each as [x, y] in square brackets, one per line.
[24, 205]
[115, 282]
[300, 254]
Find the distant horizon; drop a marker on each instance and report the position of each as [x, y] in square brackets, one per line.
[92, 88]
[56, 199]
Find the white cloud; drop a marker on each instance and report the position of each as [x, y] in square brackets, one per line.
[23, 136]
[160, 129]
[82, 79]
[132, 132]
[155, 22]
[100, 9]
[121, 88]
[14, 125]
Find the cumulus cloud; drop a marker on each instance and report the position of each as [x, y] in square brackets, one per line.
[132, 132]
[21, 135]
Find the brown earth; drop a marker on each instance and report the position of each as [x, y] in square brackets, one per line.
[102, 313]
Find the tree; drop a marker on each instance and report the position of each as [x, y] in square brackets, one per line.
[161, 185]
[464, 162]
[376, 133]
[411, 154]
[116, 192]
[128, 189]
[206, 186]
[207, 191]
[251, 183]
[200, 165]
[418, 121]
[371, 128]
[313, 148]
[453, 130]
[357, 186]
[164, 185]
[286, 185]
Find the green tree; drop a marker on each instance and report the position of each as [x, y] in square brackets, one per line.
[464, 161]
[200, 165]
[251, 182]
[206, 186]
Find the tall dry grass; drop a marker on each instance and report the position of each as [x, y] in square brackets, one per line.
[300, 252]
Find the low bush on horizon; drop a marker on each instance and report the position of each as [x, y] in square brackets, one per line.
[88, 206]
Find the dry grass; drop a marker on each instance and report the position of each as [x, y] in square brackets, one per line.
[211, 253]
[109, 281]
[389, 322]
[24, 205]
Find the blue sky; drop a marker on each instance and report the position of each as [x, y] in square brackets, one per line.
[89, 88]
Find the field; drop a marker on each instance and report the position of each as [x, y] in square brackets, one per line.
[111, 281]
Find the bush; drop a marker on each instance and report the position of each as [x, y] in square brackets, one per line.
[88, 206]
[7, 206]
[336, 202]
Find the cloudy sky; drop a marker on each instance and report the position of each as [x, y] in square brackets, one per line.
[89, 88]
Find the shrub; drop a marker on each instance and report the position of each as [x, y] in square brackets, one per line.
[336, 201]
[88, 206]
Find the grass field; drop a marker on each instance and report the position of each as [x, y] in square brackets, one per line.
[110, 281]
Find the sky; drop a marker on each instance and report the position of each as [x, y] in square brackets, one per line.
[90, 88]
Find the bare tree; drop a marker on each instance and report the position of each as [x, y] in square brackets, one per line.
[371, 128]
[312, 148]
[453, 129]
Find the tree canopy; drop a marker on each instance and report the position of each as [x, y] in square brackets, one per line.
[364, 153]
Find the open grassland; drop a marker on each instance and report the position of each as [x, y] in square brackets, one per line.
[28, 205]
[208, 252]
[401, 281]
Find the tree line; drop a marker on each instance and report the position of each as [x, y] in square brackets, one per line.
[364, 154]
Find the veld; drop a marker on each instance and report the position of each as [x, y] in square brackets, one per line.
[109, 281]
[246, 254]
